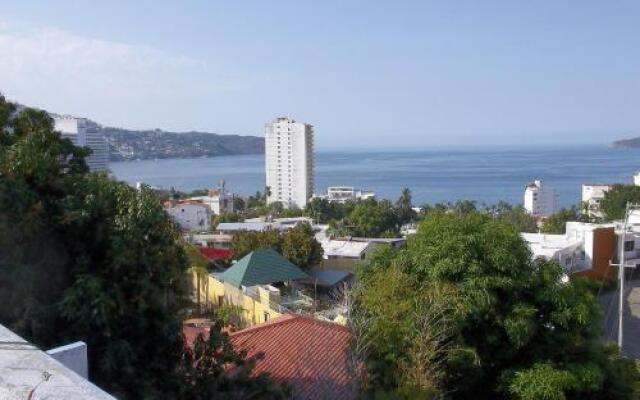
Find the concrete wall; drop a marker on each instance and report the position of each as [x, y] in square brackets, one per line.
[192, 217]
[604, 249]
[73, 356]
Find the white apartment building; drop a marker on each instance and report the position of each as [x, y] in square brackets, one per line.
[289, 162]
[592, 195]
[83, 134]
[539, 199]
[636, 179]
[342, 194]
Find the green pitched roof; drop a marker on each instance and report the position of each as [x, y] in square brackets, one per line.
[261, 267]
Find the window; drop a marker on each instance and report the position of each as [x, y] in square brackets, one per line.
[266, 316]
[220, 301]
[629, 245]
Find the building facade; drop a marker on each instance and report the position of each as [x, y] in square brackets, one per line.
[636, 179]
[539, 199]
[194, 217]
[219, 200]
[84, 134]
[342, 194]
[289, 162]
[592, 195]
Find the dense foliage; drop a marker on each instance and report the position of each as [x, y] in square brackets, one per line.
[557, 222]
[83, 257]
[477, 319]
[297, 244]
[614, 203]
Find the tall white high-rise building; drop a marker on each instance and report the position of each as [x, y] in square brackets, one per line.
[83, 134]
[539, 199]
[289, 162]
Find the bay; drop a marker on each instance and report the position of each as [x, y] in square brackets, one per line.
[486, 175]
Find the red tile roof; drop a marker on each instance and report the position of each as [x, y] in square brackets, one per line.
[311, 356]
[216, 254]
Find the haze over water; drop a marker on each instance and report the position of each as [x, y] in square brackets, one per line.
[485, 175]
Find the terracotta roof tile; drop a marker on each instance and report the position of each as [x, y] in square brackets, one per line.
[309, 355]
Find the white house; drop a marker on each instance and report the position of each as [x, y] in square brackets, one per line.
[592, 195]
[567, 251]
[539, 199]
[289, 162]
[342, 194]
[584, 248]
[191, 216]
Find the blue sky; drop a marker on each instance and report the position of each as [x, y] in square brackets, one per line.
[367, 74]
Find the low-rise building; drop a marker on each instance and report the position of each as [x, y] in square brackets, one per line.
[539, 199]
[219, 200]
[261, 225]
[342, 194]
[259, 284]
[585, 249]
[191, 216]
[343, 254]
[592, 195]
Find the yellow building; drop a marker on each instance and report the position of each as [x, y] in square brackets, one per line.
[248, 285]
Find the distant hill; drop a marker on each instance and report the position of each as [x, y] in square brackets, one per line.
[633, 143]
[127, 144]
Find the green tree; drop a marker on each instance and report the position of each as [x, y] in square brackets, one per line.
[511, 316]
[244, 242]
[198, 268]
[614, 203]
[301, 247]
[515, 216]
[298, 244]
[372, 218]
[83, 257]
[404, 208]
[557, 222]
[324, 211]
[402, 332]
[239, 204]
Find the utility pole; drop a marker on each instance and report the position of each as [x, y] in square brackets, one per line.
[621, 266]
[621, 276]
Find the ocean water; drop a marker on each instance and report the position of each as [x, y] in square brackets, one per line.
[485, 175]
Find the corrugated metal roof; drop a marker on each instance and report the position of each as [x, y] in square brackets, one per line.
[261, 267]
[343, 248]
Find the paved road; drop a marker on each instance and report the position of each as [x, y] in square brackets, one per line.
[631, 321]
